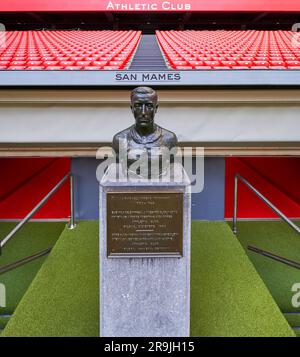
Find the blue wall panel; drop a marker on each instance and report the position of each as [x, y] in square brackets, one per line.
[206, 205]
[86, 188]
[209, 204]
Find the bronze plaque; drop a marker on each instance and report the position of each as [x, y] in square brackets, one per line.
[144, 224]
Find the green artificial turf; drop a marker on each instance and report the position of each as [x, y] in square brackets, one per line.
[32, 238]
[278, 238]
[228, 297]
[63, 298]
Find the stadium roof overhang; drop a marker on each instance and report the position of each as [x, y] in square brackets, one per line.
[69, 78]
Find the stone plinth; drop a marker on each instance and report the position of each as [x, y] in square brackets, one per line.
[147, 295]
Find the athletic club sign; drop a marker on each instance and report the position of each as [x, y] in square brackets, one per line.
[148, 6]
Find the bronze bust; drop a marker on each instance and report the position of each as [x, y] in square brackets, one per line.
[145, 142]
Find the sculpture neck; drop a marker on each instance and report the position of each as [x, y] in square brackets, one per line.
[145, 131]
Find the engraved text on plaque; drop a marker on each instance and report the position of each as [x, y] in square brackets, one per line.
[144, 224]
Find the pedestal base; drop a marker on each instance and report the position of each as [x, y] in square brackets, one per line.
[145, 296]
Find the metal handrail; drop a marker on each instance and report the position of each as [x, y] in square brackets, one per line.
[71, 224]
[18, 263]
[262, 197]
[275, 257]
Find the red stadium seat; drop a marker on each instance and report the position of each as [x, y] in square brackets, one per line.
[277, 67]
[18, 63]
[51, 63]
[196, 63]
[54, 68]
[99, 63]
[293, 63]
[82, 63]
[184, 67]
[221, 67]
[240, 67]
[277, 63]
[180, 63]
[111, 68]
[67, 63]
[35, 67]
[92, 68]
[229, 63]
[212, 63]
[16, 67]
[203, 67]
[261, 63]
[244, 63]
[72, 68]
[34, 63]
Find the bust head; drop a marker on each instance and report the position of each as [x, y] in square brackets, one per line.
[145, 144]
[144, 106]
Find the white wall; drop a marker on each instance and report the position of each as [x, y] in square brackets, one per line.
[75, 123]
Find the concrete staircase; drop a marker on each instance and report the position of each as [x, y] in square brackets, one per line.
[148, 56]
[4, 320]
[293, 318]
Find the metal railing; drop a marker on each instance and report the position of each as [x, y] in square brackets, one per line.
[262, 197]
[71, 224]
[275, 257]
[18, 263]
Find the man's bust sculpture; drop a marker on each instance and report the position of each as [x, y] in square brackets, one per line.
[144, 146]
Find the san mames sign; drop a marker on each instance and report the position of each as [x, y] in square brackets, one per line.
[148, 77]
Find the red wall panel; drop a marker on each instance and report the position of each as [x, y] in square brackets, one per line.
[276, 178]
[25, 181]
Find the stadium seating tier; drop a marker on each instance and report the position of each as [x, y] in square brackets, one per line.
[183, 50]
[223, 49]
[67, 50]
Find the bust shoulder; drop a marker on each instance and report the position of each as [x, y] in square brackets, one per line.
[119, 136]
[169, 136]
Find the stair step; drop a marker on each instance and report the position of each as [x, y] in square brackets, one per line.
[297, 332]
[3, 321]
[148, 62]
[293, 318]
[148, 67]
